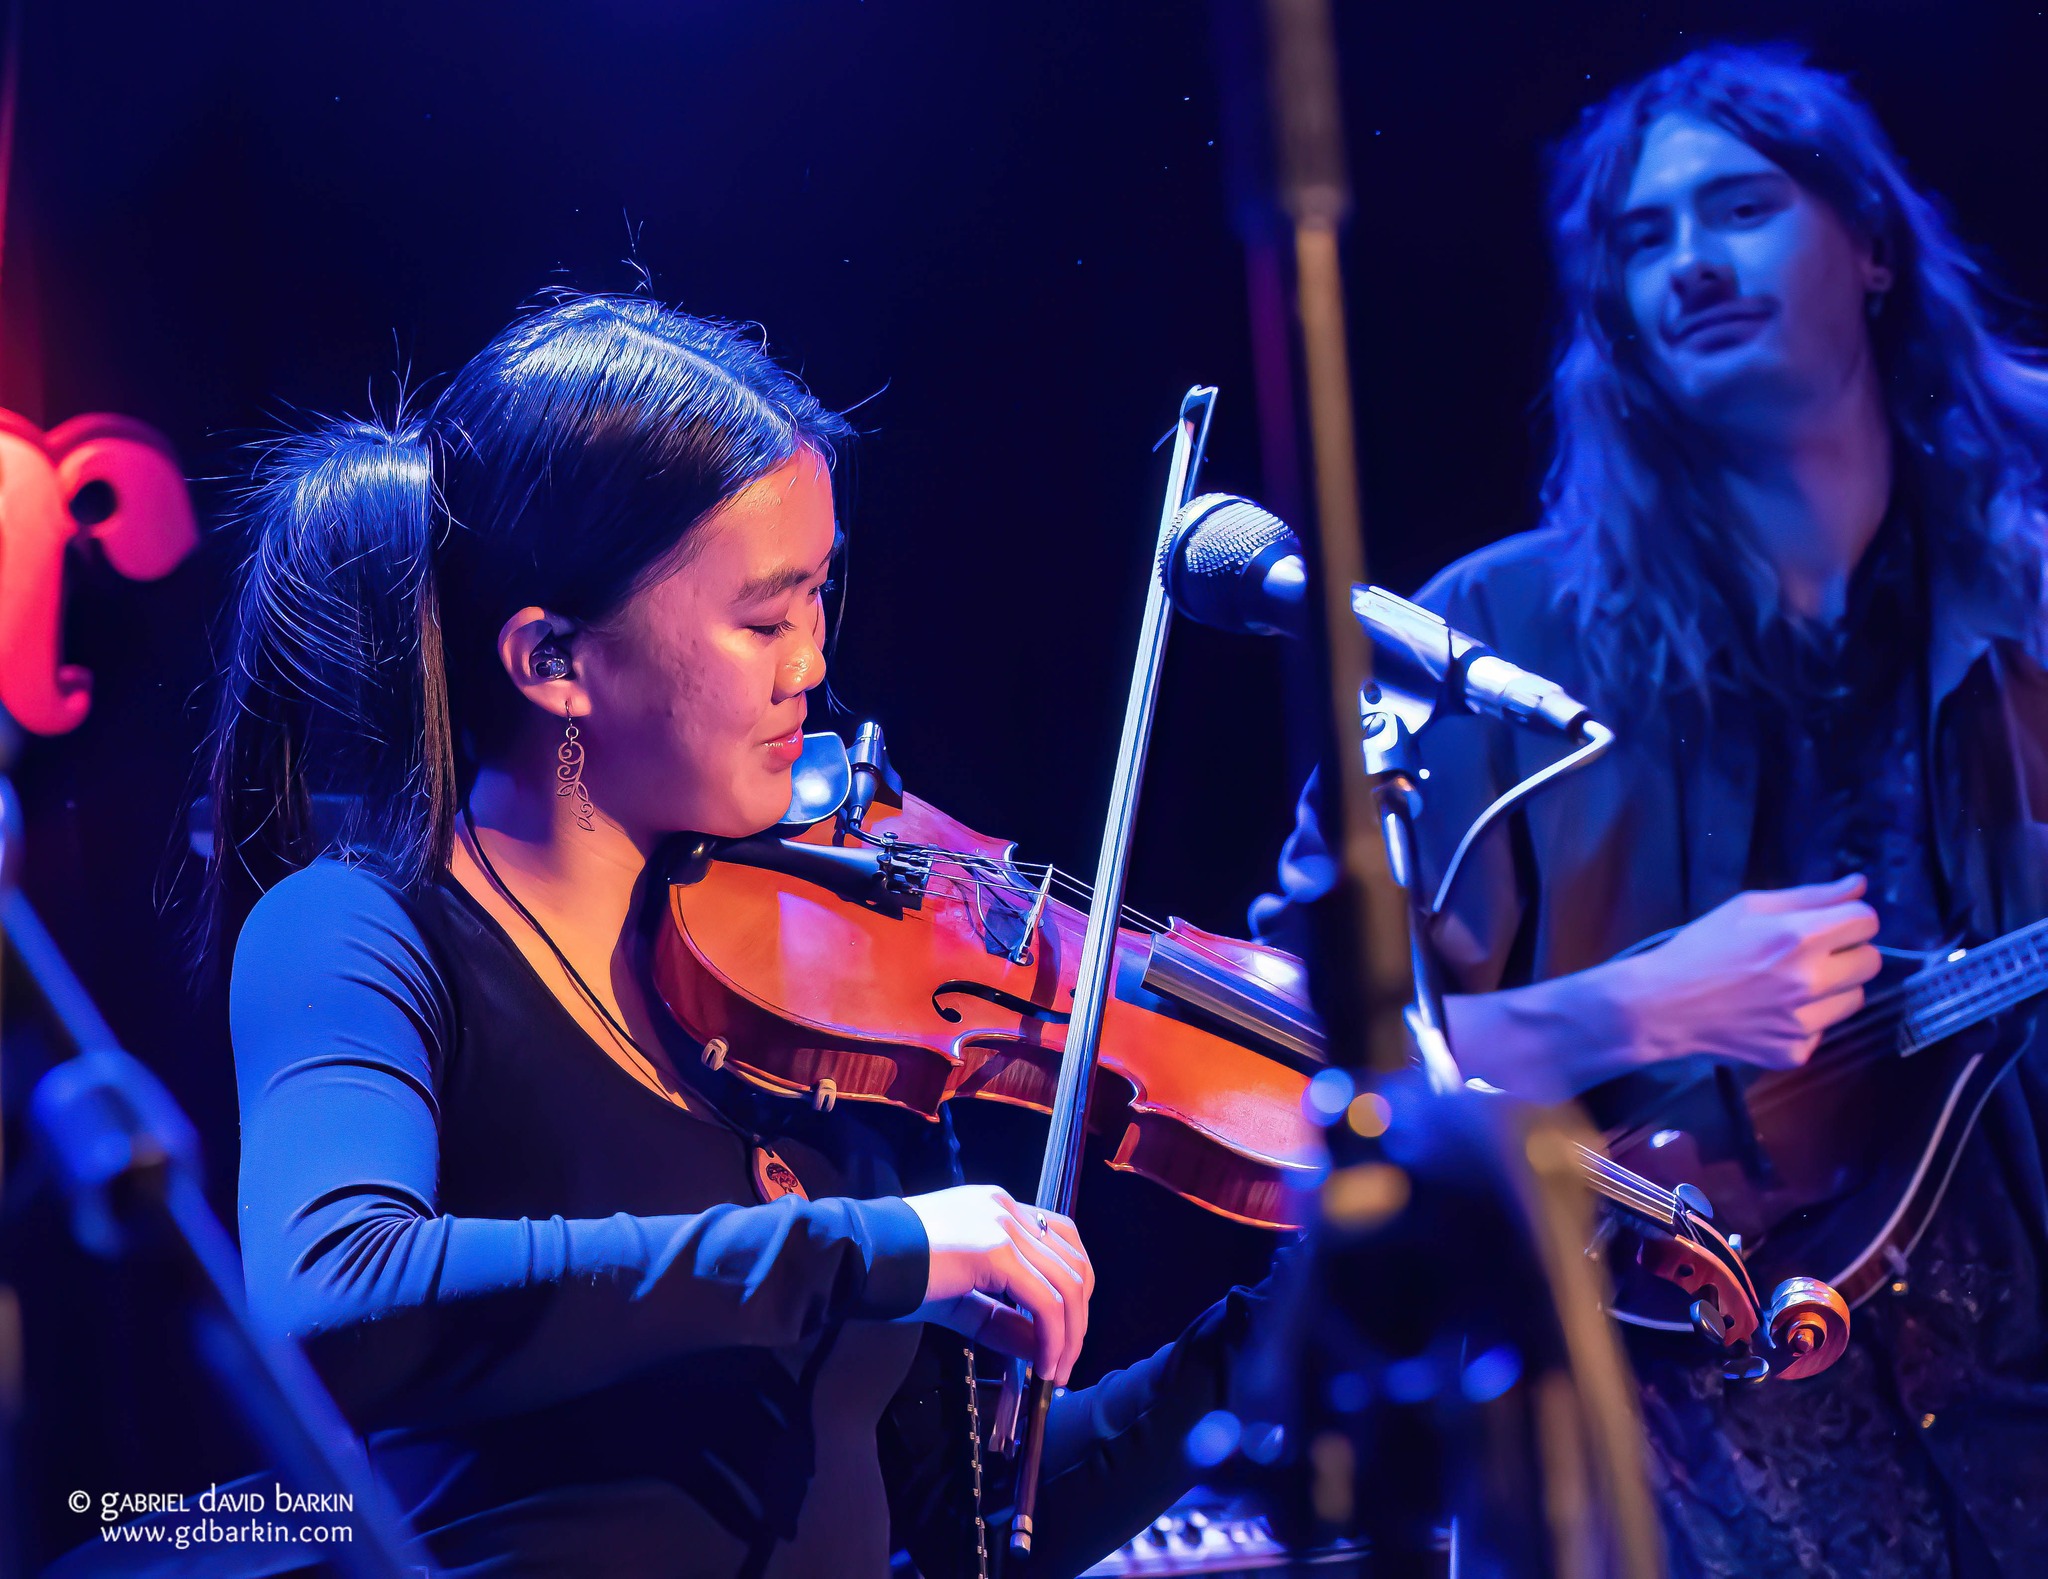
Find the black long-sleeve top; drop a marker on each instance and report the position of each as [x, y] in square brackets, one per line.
[545, 1292]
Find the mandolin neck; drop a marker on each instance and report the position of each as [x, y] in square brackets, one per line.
[1962, 990]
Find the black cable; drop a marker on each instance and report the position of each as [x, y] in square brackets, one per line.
[476, 845]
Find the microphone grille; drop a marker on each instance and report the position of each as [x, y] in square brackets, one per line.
[1218, 536]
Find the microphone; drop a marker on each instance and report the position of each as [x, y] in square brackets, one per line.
[1237, 566]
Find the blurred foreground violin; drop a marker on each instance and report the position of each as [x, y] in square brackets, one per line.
[874, 949]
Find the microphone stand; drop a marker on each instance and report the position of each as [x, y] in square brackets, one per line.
[128, 1158]
[1440, 1344]
[1392, 765]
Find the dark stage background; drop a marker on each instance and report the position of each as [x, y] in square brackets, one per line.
[1004, 232]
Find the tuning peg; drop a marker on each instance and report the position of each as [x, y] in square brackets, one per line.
[1750, 1368]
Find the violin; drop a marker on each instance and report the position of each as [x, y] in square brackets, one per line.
[874, 949]
[900, 957]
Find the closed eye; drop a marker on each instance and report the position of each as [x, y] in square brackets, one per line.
[782, 628]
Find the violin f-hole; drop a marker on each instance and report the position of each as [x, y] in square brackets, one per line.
[1022, 1007]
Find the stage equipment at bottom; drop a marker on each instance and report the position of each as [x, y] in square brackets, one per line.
[1218, 1536]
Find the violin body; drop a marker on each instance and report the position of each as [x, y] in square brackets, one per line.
[936, 981]
[1834, 1169]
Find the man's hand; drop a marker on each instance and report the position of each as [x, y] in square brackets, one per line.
[1757, 979]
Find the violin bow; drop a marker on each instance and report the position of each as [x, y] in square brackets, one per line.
[1060, 1176]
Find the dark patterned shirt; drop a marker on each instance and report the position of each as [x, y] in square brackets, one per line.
[1827, 1476]
[1844, 785]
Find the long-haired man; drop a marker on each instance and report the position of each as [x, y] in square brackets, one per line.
[1793, 544]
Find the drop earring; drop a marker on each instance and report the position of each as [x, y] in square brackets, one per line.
[569, 773]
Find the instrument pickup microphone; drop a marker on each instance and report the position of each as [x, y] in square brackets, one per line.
[1237, 566]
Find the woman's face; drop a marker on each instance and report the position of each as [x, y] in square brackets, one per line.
[697, 686]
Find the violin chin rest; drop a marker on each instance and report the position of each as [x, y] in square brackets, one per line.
[818, 784]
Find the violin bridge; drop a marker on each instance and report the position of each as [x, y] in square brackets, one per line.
[1021, 954]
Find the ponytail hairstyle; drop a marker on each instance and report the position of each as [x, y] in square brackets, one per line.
[566, 467]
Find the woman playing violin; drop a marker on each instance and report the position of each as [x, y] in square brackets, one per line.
[599, 1309]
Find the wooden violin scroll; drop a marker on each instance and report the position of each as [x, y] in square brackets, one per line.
[1809, 1326]
[1805, 1330]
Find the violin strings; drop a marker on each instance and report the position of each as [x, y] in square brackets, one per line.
[1874, 1031]
[1629, 1188]
[1635, 1193]
[979, 877]
[995, 874]
[987, 871]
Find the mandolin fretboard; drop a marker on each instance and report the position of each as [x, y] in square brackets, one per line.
[1970, 986]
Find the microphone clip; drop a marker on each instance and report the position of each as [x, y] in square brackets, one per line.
[873, 777]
